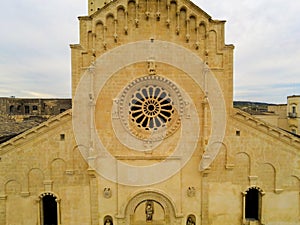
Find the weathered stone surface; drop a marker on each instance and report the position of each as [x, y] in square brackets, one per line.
[98, 163]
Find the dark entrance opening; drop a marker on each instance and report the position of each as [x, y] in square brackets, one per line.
[252, 204]
[49, 210]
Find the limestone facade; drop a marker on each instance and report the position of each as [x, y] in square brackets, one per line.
[152, 137]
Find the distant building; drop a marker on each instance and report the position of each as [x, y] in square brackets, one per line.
[20, 114]
[33, 106]
[284, 116]
[293, 113]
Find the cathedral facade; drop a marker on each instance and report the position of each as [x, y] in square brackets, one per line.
[152, 137]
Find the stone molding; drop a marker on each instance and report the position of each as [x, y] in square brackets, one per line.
[172, 215]
[35, 131]
[266, 128]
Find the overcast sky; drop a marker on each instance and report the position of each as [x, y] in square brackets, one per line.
[35, 54]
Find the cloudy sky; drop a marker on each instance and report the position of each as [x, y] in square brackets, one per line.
[35, 54]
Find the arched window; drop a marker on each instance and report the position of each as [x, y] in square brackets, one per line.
[191, 220]
[108, 220]
[252, 201]
[11, 109]
[49, 209]
[294, 109]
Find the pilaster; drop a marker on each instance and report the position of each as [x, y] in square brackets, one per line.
[3, 209]
[205, 198]
[94, 206]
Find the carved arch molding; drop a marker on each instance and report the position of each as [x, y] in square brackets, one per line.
[171, 214]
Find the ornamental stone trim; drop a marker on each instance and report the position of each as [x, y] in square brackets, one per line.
[150, 108]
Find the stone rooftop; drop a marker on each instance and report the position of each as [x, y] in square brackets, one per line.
[20, 114]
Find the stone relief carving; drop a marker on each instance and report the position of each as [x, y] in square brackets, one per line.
[150, 197]
[115, 109]
[190, 220]
[108, 220]
[151, 67]
[191, 191]
[107, 192]
[149, 210]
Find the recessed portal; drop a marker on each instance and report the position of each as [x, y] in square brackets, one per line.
[252, 204]
[49, 209]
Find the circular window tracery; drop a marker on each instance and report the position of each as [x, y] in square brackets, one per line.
[150, 108]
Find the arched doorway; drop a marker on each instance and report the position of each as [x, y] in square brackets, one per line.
[150, 207]
[49, 210]
[252, 204]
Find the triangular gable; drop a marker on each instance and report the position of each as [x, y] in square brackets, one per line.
[266, 128]
[35, 131]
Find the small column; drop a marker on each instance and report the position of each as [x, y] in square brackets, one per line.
[187, 36]
[197, 44]
[126, 23]
[58, 211]
[178, 22]
[136, 14]
[3, 209]
[244, 207]
[147, 13]
[205, 199]
[39, 213]
[205, 117]
[104, 37]
[158, 11]
[168, 21]
[262, 210]
[299, 206]
[115, 32]
[93, 197]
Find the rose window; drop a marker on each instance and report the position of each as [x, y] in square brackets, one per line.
[151, 107]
